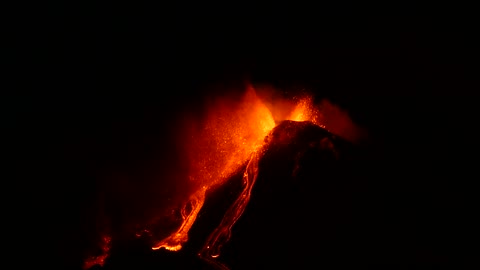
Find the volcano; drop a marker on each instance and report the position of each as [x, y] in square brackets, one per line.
[111, 179]
[305, 208]
[261, 189]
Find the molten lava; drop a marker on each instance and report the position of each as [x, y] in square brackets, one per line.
[222, 233]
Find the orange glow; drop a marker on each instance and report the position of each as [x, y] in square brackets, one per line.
[232, 131]
[305, 110]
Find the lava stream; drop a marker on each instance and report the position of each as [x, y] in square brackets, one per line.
[222, 233]
[174, 241]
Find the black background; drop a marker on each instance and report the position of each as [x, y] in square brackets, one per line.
[100, 84]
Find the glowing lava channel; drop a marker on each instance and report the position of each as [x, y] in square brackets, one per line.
[222, 233]
[174, 241]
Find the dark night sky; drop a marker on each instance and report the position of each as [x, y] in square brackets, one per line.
[101, 84]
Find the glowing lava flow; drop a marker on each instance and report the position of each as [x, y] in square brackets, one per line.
[189, 213]
[232, 135]
[222, 233]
